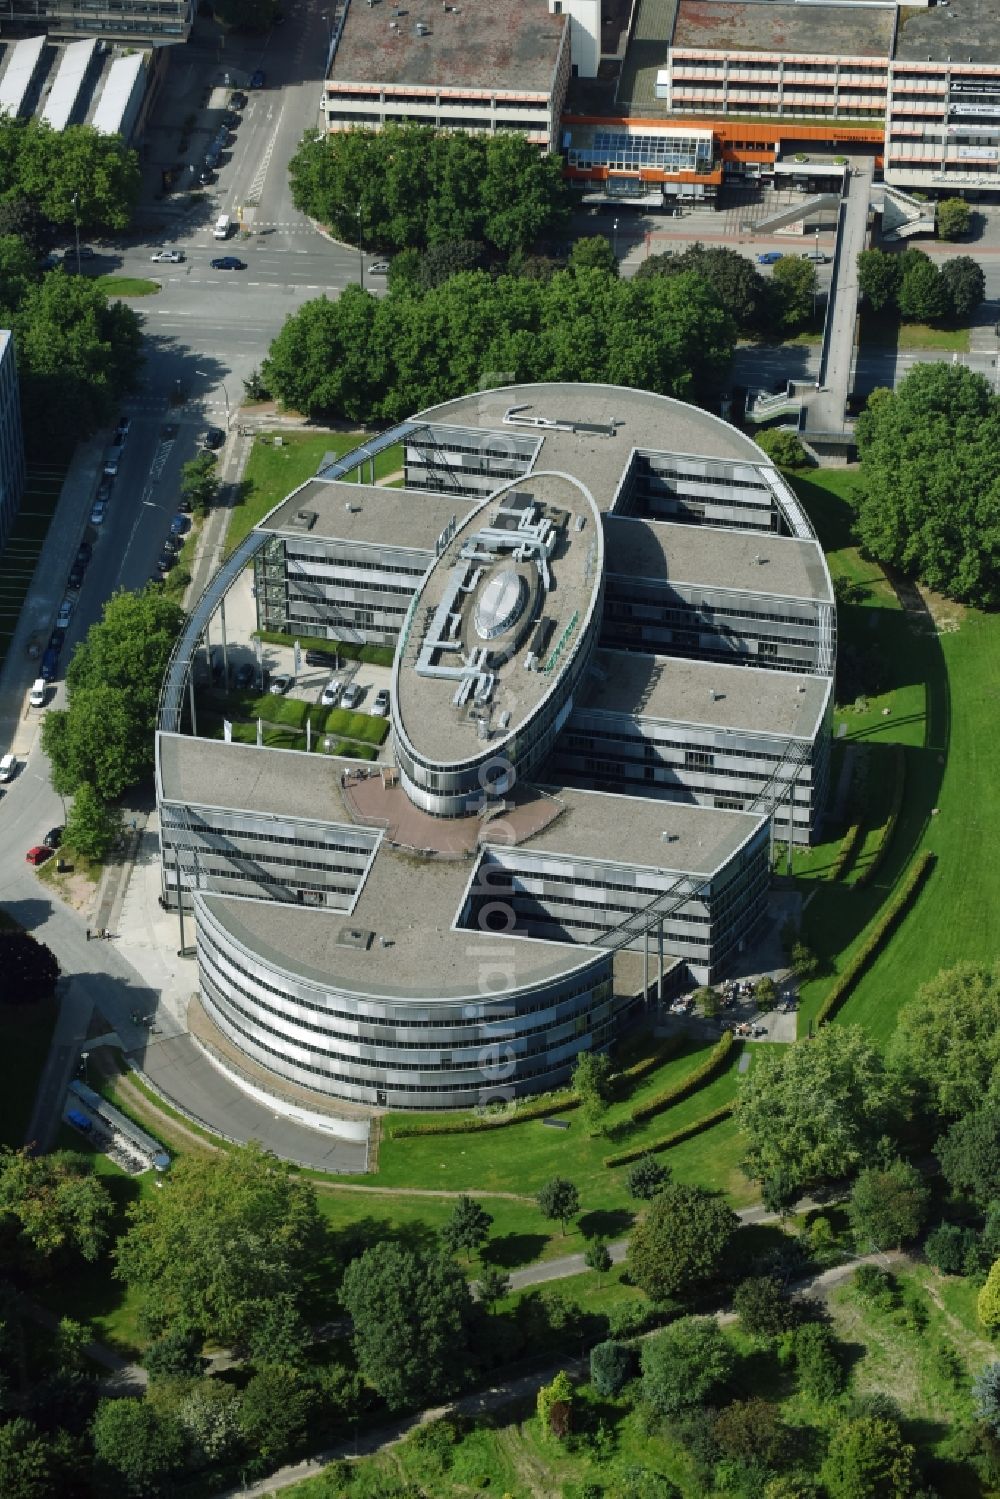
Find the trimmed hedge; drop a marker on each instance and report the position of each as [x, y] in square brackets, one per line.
[869, 949]
[552, 1103]
[356, 726]
[846, 851]
[889, 826]
[716, 1058]
[374, 655]
[686, 1131]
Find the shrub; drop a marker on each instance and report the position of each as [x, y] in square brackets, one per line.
[612, 1365]
[950, 1248]
[874, 1287]
[635, 1315]
[820, 1371]
[549, 1104]
[872, 945]
[622, 1080]
[762, 1307]
[845, 853]
[713, 1063]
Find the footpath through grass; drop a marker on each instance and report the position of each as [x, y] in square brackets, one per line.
[274, 469]
[940, 672]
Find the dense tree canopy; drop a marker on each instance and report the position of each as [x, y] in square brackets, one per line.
[92, 825]
[965, 284]
[105, 735]
[410, 186]
[50, 1204]
[681, 1241]
[684, 1364]
[947, 1040]
[49, 167]
[222, 1239]
[412, 1314]
[740, 288]
[77, 353]
[815, 1111]
[912, 286]
[888, 1206]
[868, 1459]
[930, 497]
[970, 1154]
[366, 358]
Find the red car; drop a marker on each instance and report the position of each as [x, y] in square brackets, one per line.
[39, 854]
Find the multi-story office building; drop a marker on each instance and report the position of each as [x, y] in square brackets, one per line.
[919, 85]
[153, 23]
[569, 791]
[504, 67]
[12, 472]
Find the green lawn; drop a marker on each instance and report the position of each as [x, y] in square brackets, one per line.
[128, 286]
[522, 1157]
[940, 687]
[25, 1034]
[882, 333]
[272, 472]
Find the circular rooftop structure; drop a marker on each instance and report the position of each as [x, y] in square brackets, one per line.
[498, 634]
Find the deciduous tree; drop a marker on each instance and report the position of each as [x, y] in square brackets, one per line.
[92, 826]
[880, 276]
[597, 1257]
[815, 1111]
[559, 1199]
[762, 1306]
[953, 218]
[468, 1228]
[52, 1203]
[888, 1206]
[411, 1313]
[868, 1459]
[223, 1237]
[965, 285]
[793, 292]
[681, 1242]
[970, 1154]
[137, 1445]
[274, 1411]
[646, 1178]
[684, 1364]
[947, 1040]
[200, 481]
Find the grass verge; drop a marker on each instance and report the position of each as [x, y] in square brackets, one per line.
[128, 286]
[275, 469]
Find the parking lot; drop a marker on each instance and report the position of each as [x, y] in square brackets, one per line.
[278, 660]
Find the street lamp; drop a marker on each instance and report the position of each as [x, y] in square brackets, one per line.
[84, 1057]
[614, 239]
[361, 254]
[75, 200]
[225, 392]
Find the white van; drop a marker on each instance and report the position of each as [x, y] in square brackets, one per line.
[39, 692]
[8, 765]
[222, 225]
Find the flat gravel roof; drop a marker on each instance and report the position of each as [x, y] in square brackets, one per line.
[413, 903]
[713, 557]
[855, 30]
[650, 422]
[408, 518]
[598, 826]
[508, 45]
[289, 783]
[964, 31]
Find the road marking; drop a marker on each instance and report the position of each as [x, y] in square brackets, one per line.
[257, 185]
